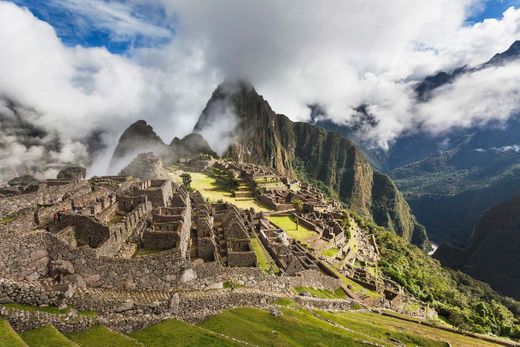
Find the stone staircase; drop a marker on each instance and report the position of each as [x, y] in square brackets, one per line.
[243, 190]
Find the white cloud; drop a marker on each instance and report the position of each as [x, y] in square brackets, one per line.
[340, 54]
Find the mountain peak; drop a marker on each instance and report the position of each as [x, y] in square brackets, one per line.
[512, 53]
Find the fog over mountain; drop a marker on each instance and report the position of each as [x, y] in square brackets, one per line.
[295, 53]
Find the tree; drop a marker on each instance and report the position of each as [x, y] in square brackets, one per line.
[297, 204]
[186, 180]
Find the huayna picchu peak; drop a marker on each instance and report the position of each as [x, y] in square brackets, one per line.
[263, 137]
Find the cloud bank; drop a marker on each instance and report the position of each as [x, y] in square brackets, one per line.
[337, 54]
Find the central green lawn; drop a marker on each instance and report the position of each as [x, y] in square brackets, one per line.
[208, 187]
[177, 333]
[291, 328]
[286, 223]
[46, 337]
[9, 337]
[100, 336]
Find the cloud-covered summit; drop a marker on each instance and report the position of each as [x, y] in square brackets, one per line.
[336, 54]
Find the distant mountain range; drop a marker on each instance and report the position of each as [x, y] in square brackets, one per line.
[492, 255]
[450, 180]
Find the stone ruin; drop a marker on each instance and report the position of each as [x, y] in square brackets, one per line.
[78, 241]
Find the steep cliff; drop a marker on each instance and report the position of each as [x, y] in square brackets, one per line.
[261, 136]
[492, 255]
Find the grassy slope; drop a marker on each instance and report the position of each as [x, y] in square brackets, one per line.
[322, 293]
[177, 333]
[261, 328]
[46, 337]
[9, 337]
[265, 262]
[100, 336]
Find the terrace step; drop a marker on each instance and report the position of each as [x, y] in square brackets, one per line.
[47, 336]
[103, 336]
[9, 337]
[111, 295]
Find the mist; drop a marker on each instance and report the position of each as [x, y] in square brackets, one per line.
[294, 53]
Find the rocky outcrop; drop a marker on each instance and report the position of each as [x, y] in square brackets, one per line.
[145, 166]
[140, 138]
[266, 138]
[492, 255]
[72, 173]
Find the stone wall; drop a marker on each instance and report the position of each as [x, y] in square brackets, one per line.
[27, 258]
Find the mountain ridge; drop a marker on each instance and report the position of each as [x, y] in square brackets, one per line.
[266, 138]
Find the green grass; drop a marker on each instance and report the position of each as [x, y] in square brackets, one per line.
[48, 309]
[409, 333]
[117, 218]
[303, 234]
[177, 333]
[261, 328]
[355, 287]
[46, 337]
[330, 252]
[211, 190]
[228, 284]
[9, 337]
[100, 336]
[322, 293]
[142, 252]
[8, 219]
[384, 332]
[264, 260]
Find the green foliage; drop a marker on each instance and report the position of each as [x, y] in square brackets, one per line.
[463, 301]
[186, 180]
[297, 204]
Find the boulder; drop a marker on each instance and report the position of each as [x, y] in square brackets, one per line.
[60, 267]
[174, 303]
[75, 280]
[188, 275]
[126, 306]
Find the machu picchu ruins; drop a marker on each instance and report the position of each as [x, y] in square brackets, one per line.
[112, 243]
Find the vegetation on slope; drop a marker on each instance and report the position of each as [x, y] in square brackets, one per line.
[180, 333]
[46, 337]
[461, 300]
[100, 336]
[9, 337]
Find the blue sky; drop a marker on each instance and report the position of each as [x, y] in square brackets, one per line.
[75, 24]
[493, 9]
